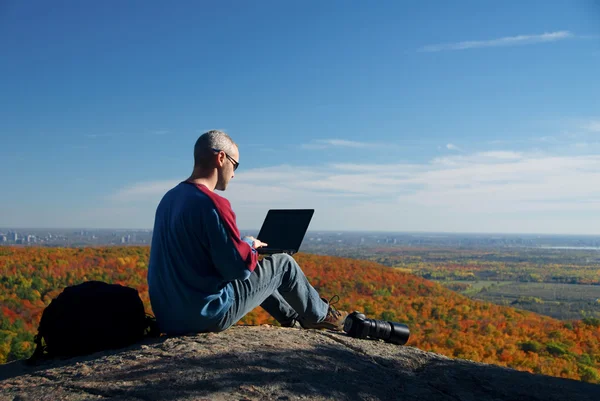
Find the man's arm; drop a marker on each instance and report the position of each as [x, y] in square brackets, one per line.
[224, 250]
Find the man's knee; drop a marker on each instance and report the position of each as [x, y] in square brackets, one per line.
[279, 259]
[282, 262]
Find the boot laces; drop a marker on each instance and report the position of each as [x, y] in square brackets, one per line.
[332, 311]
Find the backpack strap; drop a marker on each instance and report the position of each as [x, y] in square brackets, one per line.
[38, 354]
[152, 329]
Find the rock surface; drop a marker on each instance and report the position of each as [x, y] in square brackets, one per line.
[271, 363]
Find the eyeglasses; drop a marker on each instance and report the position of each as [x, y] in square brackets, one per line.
[231, 159]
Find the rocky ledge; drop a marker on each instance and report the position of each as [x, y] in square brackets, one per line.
[272, 363]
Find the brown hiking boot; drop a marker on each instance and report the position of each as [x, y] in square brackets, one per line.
[291, 323]
[334, 319]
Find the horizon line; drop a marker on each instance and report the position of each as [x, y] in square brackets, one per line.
[327, 231]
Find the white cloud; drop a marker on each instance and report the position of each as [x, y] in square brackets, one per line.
[401, 168]
[479, 192]
[349, 144]
[593, 126]
[504, 41]
[451, 146]
[340, 143]
[503, 155]
[143, 191]
[313, 146]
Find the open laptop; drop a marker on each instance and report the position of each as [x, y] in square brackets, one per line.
[284, 230]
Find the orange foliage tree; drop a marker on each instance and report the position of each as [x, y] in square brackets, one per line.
[440, 320]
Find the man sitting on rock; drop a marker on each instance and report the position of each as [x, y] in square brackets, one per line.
[203, 277]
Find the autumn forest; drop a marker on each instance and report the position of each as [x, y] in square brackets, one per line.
[440, 320]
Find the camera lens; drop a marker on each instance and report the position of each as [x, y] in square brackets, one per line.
[380, 329]
[347, 325]
[399, 333]
[391, 332]
[358, 326]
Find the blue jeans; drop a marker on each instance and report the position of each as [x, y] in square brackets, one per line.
[280, 287]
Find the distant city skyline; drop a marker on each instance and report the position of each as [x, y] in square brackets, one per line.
[314, 241]
[5, 231]
[462, 117]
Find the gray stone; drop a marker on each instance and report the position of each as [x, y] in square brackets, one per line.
[270, 363]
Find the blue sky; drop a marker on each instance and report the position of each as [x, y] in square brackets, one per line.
[394, 116]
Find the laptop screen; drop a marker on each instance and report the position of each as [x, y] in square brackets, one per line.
[285, 228]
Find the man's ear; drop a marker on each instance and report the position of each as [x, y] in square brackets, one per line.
[221, 159]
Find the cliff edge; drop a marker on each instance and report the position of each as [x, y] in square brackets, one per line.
[272, 363]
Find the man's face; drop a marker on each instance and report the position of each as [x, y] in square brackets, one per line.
[226, 172]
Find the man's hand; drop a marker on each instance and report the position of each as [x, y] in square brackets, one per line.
[256, 243]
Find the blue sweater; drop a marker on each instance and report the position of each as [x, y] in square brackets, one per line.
[193, 259]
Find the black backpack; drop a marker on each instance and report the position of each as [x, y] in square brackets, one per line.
[89, 317]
